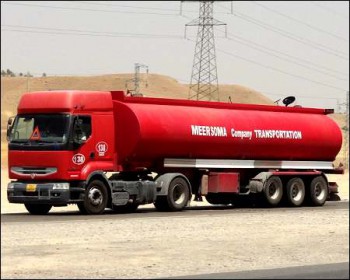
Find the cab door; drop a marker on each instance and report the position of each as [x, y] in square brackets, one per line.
[83, 142]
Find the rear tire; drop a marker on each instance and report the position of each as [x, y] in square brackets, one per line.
[273, 191]
[38, 209]
[95, 199]
[318, 191]
[177, 198]
[295, 192]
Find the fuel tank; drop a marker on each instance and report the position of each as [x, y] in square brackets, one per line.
[151, 129]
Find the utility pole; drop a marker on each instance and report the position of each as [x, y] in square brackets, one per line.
[137, 80]
[204, 78]
[338, 106]
[27, 81]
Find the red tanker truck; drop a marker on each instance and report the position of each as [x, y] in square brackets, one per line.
[100, 149]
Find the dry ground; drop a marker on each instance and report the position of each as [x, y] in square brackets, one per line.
[146, 245]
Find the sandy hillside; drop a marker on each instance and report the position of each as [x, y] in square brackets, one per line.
[158, 86]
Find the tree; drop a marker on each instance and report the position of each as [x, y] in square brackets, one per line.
[9, 73]
[44, 74]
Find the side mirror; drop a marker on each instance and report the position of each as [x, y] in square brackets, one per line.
[9, 127]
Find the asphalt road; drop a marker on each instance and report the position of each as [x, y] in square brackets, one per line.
[153, 213]
[325, 271]
[200, 242]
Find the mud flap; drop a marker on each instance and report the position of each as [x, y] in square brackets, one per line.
[257, 183]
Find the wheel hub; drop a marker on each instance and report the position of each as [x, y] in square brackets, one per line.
[319, 192]
[273, 191]
[95, 196]
[179, 194]
[296, 192]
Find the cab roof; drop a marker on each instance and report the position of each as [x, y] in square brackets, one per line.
[65, 101]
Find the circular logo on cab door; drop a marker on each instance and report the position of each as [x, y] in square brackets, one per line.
[101, 148]
[78, 159]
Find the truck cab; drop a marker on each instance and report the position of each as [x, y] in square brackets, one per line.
[57, 142]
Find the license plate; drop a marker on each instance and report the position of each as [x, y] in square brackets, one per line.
[31, 188]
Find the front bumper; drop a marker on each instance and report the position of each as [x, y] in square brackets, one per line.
[53, 193]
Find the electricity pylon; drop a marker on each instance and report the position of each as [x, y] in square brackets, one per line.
[204, 79]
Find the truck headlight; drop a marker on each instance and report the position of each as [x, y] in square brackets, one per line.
[60, 186]
[10, 186]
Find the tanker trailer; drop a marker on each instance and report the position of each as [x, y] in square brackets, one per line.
[226, 151]
[113, 151]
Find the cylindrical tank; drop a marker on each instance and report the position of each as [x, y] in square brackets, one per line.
[149, 130]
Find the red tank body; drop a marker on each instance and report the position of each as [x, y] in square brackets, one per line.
[149, 130]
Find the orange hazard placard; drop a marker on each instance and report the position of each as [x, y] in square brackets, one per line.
[35, 134]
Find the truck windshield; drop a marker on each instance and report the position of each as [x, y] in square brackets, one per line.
[48, 128]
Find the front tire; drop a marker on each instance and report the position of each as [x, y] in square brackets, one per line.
[95, 200]
[38, 209]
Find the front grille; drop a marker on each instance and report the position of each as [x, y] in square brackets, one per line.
[38, 171]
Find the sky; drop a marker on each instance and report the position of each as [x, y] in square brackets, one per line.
[280, 48]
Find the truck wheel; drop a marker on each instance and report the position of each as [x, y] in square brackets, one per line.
[38, 209]
[177, 198]
[95, 200]
[295, 192]
[273, 191]
[318, 191]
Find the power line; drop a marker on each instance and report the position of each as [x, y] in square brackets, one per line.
[292, 36]
[278, 70]
[86, 9]
[300, 21]
[330, 10]
[286, 59]
[125, 6]
[139, 7]
[300, 96]
[116, 34]
[241, 15]
[177, 37]
[288, 55]
[58, 31]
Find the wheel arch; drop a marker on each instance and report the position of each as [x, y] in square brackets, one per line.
[163, 181]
